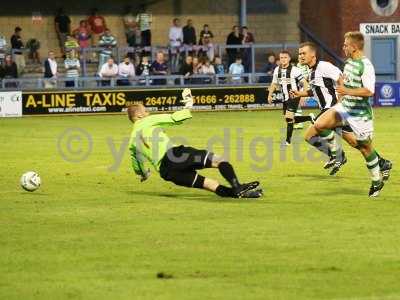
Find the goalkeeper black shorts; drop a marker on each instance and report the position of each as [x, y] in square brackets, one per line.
[180, 163]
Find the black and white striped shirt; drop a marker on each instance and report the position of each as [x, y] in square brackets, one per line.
[288, 79]
[322, 80]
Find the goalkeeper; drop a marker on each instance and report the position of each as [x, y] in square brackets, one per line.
[179, 164]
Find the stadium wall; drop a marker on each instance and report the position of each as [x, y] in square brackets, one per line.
[278, 26]
[339, 17]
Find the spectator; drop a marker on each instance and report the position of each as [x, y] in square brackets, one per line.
[207, 69]
[108, 71]
[33, 45]
[159, 67]
[107, 42]
[17, 45]
[71, 44]
[175, 42]
[218, 66]
[206, 37]
[50, 71]
[268, 68]
[236, 69]
[187, 68]
[126, 71]
[143, 69]
[144, 21]
[196, 70]
[72, 68]
[63, 28]
[189, 34]
[234, 38]
[133, 39]
[97, 25]
[8, 70]
[3, 48]
[205, 34]
[83, 34]
[248, 39]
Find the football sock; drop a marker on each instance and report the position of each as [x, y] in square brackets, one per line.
[372, 162]
[289, 131]
[321, 144]
[226, 170]
[224, 191]
[330, 138]
[301, 119]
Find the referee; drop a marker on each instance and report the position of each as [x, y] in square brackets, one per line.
[287, 78]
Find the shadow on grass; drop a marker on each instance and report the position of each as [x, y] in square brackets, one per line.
[201, 196]
[316, 176]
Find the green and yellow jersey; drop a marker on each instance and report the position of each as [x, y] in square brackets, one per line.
[358, 73]
[148, 140]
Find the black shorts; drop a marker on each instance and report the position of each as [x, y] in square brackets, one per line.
[345, 128]
[180, 163]
[291, 105]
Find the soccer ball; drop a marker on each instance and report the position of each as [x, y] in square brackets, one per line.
[30, 181]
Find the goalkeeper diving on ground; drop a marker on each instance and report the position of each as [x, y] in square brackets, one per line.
[179, 164]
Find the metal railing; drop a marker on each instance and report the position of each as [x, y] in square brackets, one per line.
[81, 83]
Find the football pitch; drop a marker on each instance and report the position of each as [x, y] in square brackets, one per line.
[93, 231]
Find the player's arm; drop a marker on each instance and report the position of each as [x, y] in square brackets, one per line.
[138, 164]
[273, 86]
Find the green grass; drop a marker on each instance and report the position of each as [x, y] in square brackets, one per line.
[89, 233]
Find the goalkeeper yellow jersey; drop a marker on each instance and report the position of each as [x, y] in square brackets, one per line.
[148, 140]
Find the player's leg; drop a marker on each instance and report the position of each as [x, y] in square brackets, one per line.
[325, 123]
[189, 159]
[228, 192]
[384, 164]
[298, 116]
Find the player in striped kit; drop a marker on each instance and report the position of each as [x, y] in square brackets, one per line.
[322, 80]
[355, 110]
[288, 77]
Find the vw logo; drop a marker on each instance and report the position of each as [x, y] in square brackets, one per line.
[387, 91]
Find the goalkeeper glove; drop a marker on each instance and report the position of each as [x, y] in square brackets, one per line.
[187, 98]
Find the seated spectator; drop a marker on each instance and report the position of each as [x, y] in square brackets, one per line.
[50, 71]
[3, 48]
[187, 66]
[159, 67]
[268, 69]
[219, 69]
[83, 34]
[9, 70]
[236, 69]
[126, 71]
[108, 71]
[143, 69]
[33, 45]
[218, 66]
[71, 44]
[187, 69]
[107, 42]
[196, 70]
[175, 42]
[207, 69]
[72, 68]
[189, 34]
